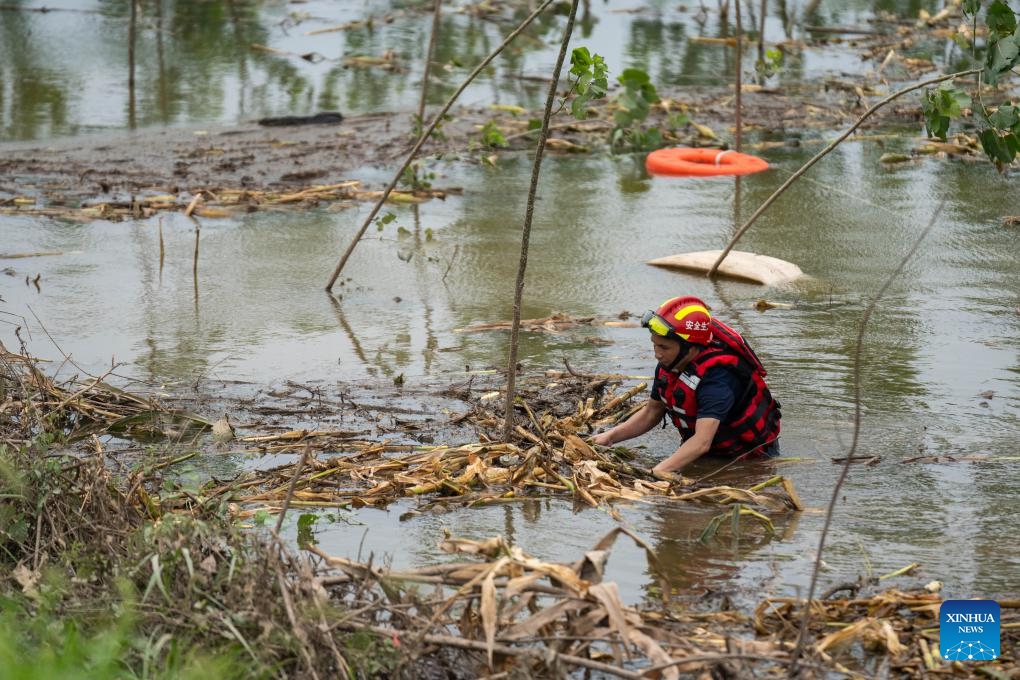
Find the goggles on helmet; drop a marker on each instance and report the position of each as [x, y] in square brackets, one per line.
[658, 325]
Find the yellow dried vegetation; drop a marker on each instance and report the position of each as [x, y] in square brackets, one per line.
[548, 454]
[900, 627]
[80, 408]
[527, 616]
[212, 202]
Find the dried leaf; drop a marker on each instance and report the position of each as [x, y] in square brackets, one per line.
[576, 449]
[845, 636]
[890, 158]
[563, 575]
[608, 595]
[519, 584]
[593, 565]
[891, 640]
[488, 612]
[490, 547]
[28, 579]
[208, 565]
[533, 625]
[655, 653]
[703, 130]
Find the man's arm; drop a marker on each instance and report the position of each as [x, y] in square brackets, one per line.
[647, 417]
[693, 448]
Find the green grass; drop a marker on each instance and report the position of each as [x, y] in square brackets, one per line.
[43, 644]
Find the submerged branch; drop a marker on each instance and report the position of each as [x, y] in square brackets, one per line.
[529, 213]
[845, 470]
[413, 153]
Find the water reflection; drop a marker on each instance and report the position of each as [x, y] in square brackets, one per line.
[348, 331]
[705, 571]
[239, 60]
[37, 98]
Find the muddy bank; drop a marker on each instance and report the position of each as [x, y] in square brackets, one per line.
[184, 161]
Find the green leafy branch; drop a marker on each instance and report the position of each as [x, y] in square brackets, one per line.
[1001, 141]
[1000, 136]
[633, 106]
[1003, 40]
[590, 77]
[770, 64]
[492, 136]
[941, 106]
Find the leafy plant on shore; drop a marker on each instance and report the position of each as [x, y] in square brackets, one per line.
[998, 126]
[770, 64]
[55, 643]
[492, 136]
[590, 80]
[70, 609]
[633, 105]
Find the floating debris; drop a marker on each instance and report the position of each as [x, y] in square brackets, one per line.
[548, 454]
[899, 628]
[213, 202]
[549, 324]
[82, 408]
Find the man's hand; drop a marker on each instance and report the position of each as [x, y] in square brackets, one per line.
[602, 439]
[666, 476]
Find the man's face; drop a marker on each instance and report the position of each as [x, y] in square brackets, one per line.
[665, 350]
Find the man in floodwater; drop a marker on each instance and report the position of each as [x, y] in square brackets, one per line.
[710, 383]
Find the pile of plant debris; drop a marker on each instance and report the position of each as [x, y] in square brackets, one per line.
[179, 585]
[546, 454]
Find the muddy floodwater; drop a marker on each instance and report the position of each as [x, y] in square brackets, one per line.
[239, 301]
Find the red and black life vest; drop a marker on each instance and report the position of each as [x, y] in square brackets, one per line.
[757, 421]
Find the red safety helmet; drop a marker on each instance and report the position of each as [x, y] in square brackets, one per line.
[682, 318]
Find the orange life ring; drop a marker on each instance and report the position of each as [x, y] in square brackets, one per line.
[685, 162]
